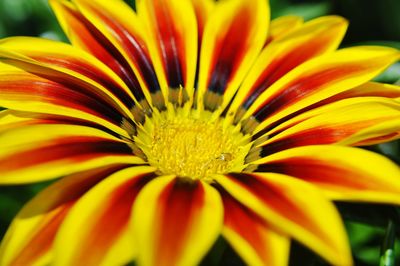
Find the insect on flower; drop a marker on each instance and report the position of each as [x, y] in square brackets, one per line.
[187, 120]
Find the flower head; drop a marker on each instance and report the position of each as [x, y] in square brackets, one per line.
[185, 121]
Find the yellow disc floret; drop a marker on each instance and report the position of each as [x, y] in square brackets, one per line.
[193, 146]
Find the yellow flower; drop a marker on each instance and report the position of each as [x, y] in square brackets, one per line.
[185, 121]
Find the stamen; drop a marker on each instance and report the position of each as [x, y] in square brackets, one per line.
[193, 147]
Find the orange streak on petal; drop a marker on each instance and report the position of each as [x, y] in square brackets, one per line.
[76, 149]
[45, 233]
[230, 49]
[183, 202]
[112, 220]
[305, 86]
[249, 226]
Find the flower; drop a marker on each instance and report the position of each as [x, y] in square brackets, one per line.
[188, 120]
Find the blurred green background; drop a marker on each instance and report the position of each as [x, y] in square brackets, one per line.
[371, 22]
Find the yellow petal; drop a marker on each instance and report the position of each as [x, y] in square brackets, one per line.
[256, 242]
[96, 230]
[172, 39]
[176, 221]
[283, 25]
[317, 80]
[74, 63]
[314, 38]
[295, 208]
[29, 239]
[45, 151]
[101, 28]
[233, 37]
[342, 173]
[333, 123]
[24, 91]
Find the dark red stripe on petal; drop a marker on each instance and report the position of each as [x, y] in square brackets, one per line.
[135, 47]
[171, 45]
[180, 203]
[245, 223]
[90, 72]
[309, 137]
[69, 94]
[55, 211]
[315, 136]
[39, 118]
[304, 87]
[281, 66]
[43, 240]
[275, 198]
[316, 171]
[230, 50]
[98, 45]
[369, 89]
[74, 149]
[113, 219]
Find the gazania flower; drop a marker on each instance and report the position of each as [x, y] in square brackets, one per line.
[186, 121]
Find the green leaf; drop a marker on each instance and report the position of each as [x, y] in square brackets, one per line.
[373, 214]
[387, 251]
[308, 10]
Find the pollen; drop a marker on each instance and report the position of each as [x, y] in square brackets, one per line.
[192, 146]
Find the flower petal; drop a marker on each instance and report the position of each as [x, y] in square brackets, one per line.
[41, 152]
[123, 29]
[343, 173]
[233, 37]
[172, 31]
[368, 89]
[24, 91]
[316, 80]
[252, 238]
[73, 62]
[9, 119]
[335, 122]
[176, 221]
[12, 119]
[29, 239]
[295, 208]
[203, 10]
[96, 230]
[312, 39]
[281, 26]
[382, 132]
[102, 35]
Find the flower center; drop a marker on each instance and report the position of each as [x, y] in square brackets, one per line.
[192, 146]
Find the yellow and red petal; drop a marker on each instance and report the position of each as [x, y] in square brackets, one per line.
[312, 39]
[368, 89]
[203, 10]
[45, 151]
[342, 173]
[96, 231]
[72, 62]
[173, 44]
[102, 36]
[233, 37]
[254, 240]
[122, 28]
[281, 26]
[9, 119]
[24, 91]
[176, 221]
[297, 209]
[379, 133]
[317, 80]
[333, 123]
[29, 240]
